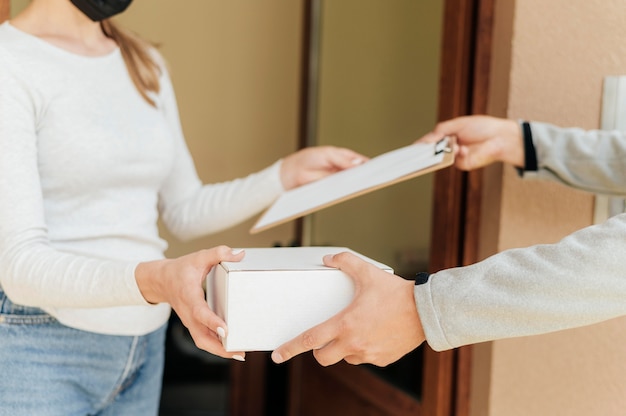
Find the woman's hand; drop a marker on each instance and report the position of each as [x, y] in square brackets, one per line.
[482, 140]
[313, 163]
[380, 326]
[179, 283]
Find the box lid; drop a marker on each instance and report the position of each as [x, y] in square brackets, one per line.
[289, 258]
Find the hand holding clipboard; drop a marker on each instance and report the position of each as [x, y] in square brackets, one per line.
[381, 171]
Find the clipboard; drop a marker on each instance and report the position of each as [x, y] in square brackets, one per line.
[379, 172]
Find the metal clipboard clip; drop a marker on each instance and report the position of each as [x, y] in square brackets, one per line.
[444, 145]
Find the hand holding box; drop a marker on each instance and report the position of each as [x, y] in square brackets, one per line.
[274, 294]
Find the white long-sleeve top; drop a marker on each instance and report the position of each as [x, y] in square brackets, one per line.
[86, 169]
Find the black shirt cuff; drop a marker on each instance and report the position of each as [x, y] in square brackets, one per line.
[530, 155]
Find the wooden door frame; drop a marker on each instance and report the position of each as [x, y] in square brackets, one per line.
[463, 89]
[5, 8]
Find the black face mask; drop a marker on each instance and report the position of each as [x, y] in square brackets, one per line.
[98, 10]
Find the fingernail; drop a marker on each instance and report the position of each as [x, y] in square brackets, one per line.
[221, 332]
[357, 161]
[238, 357]
[277, 358]
[237, 251]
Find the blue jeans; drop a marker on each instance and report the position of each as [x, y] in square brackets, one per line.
[49, 369]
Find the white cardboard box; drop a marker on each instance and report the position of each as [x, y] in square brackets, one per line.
[274, 294]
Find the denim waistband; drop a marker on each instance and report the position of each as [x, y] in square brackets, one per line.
[13, 313]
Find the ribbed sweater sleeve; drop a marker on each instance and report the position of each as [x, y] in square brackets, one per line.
[32, 272]
[189, 208]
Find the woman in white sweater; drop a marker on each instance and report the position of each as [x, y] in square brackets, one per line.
[91, 155]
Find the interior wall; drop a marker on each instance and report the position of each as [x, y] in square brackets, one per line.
[558, 54]
[378, 81]
[235, 67]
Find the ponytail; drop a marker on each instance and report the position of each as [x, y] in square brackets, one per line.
[141, 65]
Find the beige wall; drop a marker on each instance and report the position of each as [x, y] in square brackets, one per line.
[235, 68]
[561, 50]
[379, 72]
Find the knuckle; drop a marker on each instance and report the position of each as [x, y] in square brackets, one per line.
[309, 340]
[355, 347]
[354, 360]
[380, 361]
[199, 341]
[222, 250]
[343, 256]
[346, 325]
[196, 312]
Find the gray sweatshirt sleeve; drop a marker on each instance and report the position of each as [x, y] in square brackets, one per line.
[578, 281]
[590, 160]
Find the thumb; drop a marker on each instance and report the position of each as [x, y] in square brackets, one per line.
[477, 155]
[342, 158]
[218, 254]
[349, 263]
[430, 137]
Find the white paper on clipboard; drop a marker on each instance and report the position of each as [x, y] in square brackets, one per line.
[381, 171]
